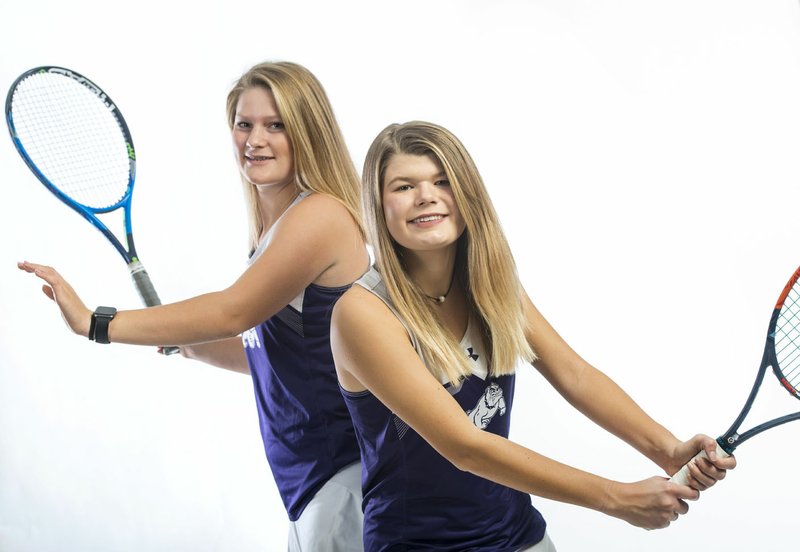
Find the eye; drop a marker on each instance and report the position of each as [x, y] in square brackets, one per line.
[403, 188]
[443, 182]
[244, 125]
[277, 125]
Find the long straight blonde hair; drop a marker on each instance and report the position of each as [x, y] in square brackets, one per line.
[484, 265]
[322, 163]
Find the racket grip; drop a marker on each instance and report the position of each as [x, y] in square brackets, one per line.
[143, 284]
[681, 477]
[148, 294]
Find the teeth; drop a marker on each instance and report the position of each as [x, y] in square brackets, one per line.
[427, 219]
[259, 157]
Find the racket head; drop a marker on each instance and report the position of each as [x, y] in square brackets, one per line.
[73, 138]
[784, 336]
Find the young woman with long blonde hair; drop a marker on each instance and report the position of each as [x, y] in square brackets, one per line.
[425, 347]
[306, 248]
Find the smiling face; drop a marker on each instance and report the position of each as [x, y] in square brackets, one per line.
[261, 144]
[418, 203]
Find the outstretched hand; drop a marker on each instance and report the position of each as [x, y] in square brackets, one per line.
[74, 312]
[703, 472]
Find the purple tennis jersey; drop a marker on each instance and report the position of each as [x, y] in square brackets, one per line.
[307, 432]
[414, 498]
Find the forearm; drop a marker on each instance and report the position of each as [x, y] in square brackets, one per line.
[227, 354]
[650, 503]
[507, 463]
[603, 401]
[204, 318]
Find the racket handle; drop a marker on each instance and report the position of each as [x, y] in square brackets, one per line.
[148, 294]
[143, 284]
[681, 477]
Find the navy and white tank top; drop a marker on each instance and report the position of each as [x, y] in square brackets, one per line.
[414, 498]
[306, 428]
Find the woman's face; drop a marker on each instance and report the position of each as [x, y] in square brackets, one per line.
[263, 151]
[419, 205]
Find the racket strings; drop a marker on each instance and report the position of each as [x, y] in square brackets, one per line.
[787, 337]
[73, 138]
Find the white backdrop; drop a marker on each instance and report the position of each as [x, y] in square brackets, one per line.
[642, 156]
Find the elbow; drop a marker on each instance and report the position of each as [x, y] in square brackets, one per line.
[233, 317]
[466, 452]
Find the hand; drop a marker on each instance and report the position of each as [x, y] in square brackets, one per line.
[703, 472]
[74, 312]
[652, 504]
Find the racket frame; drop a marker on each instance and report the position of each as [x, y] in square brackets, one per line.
[731, 439]
[89, 213]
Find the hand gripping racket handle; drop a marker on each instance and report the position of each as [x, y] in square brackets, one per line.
[681, 477]
[148, 293]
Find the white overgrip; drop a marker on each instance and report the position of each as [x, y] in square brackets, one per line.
[681, 477]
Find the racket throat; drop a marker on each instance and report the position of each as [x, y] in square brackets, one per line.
[728, 443]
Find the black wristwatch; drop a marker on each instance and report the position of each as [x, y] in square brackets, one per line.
[98, 328]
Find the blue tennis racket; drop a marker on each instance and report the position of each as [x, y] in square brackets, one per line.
[75, 140]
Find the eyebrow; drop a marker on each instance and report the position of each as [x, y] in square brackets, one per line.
[410, 180]
[240, 115]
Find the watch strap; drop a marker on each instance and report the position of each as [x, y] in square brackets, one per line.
[98, 328]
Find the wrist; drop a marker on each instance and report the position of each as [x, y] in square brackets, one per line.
[609, 500]
[664, 452]
[98, 326]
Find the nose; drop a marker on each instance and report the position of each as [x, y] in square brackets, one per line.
[257, 137]
[426, 193]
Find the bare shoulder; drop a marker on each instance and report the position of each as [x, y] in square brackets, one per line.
[368, 342]
[359, 313]
[320, 210]
[357, 304]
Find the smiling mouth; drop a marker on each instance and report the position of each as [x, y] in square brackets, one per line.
[427, 218]
[258, 157]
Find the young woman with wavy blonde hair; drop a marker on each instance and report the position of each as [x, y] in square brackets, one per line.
[307, 247]
[425, 347]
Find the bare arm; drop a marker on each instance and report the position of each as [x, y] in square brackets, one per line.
[603, 401]
[227, 354]
[315, 236]
[371, 348]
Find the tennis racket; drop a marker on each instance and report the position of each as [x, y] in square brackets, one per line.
[75, 140]
[782, 354]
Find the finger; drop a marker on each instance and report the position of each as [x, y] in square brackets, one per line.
[49, 292]
[686, 492]
[26, 266]
[710, 470]
[727, 463]
[711, 450]
[700, 480]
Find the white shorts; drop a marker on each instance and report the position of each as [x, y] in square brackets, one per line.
[544, 545]
[333, 520]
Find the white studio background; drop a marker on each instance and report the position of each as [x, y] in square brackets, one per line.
[642, 157]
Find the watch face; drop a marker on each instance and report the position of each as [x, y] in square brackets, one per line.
[105, 311]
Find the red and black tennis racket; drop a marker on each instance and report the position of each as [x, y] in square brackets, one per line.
[782, 354]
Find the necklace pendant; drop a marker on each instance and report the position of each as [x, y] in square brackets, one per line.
[441, 298]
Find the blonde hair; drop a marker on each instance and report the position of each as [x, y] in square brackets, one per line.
[322, 163]
[484, 265]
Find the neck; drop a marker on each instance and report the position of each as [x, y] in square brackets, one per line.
[273, 202]
[432, 271]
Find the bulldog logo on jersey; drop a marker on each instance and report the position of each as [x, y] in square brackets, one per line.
[490, 403]
[250, 339]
